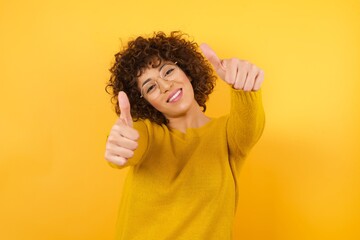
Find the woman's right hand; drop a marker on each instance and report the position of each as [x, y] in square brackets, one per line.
[122, 140]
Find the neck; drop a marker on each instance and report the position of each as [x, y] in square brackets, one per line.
[193, 119]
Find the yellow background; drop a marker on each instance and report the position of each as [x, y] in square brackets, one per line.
[301, 181]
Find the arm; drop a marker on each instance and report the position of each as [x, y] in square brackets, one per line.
[246, 120]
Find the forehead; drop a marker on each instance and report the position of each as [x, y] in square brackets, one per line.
[147, 73]
[151, 69]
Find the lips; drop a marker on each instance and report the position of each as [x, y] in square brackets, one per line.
[173, 96]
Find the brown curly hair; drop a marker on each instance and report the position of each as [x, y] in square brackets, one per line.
[136, 57]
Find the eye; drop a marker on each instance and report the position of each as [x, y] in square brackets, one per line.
[169, 71]
[150, 88]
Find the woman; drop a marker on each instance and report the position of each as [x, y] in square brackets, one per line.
[184, 166]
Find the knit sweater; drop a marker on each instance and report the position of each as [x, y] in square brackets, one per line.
[184, 186]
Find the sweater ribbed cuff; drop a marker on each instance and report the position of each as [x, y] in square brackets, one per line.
[246, 97]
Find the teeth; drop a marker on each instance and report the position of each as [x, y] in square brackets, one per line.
[175, 96]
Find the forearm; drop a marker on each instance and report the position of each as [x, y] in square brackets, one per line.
[246, 121]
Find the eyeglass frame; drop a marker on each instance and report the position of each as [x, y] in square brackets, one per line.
[169, 63]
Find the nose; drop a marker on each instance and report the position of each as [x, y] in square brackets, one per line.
[164, 85]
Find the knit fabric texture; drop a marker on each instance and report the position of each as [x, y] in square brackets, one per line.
[184, 186]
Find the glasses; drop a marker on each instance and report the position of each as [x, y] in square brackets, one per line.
[151, 88]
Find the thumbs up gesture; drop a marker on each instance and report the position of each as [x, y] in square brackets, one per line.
[122, 140]
[238, 73]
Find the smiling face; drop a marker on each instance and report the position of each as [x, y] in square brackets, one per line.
[168, 89]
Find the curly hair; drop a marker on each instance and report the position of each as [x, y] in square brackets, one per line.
[140, 53]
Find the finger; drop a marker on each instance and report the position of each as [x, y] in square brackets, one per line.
[124, 106]
[122, 130]
[232, 70]
[242, 74]
[213, 59]
[120, 161]
[114, 150]
[259, 80]
[118, 140]
[250, 80]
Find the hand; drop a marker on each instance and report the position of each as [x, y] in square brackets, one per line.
[238, 73]
[122, 140]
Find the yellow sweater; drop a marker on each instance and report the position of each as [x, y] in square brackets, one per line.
[185, 186]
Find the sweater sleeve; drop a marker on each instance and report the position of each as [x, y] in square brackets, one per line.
[142, 149]
[245, 123]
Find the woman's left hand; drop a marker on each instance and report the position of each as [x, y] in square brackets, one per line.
[241, 74]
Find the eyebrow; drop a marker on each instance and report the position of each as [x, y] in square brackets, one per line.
[145, 82]
[163, 66]
[149, 79]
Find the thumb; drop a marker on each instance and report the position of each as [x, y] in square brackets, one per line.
[124, 106]
[213, 59]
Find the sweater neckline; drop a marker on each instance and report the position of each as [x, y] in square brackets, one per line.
[192, 132]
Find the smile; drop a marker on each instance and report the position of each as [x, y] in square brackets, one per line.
[175, 96]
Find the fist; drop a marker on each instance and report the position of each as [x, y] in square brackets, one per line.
[238, 73]
[122, 140]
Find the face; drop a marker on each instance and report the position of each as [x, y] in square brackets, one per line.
[168, 89]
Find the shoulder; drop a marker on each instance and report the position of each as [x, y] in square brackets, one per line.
[145, 126]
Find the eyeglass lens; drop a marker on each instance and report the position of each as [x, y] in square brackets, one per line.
[167, 73]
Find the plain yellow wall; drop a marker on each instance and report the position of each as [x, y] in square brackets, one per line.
[302, 180]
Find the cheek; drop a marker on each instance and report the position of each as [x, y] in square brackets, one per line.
[156, 104]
